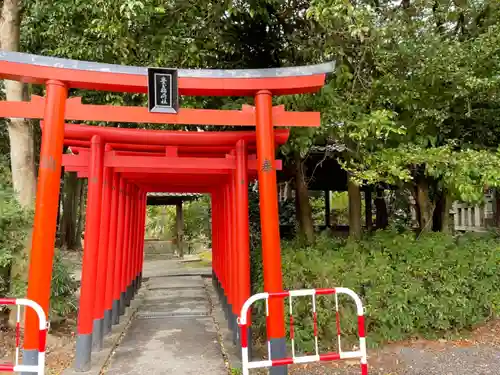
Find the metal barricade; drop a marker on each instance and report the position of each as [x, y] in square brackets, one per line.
[43, 326]
[317, 357]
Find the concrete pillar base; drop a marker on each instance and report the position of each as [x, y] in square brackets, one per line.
[133, 287]
[97, 335]
[136, 289]
[122, 303]
[83, 354]
[128, 295]
[30, 358]
[108, 324]
[278, 351]
[235, 329]
[115, 312]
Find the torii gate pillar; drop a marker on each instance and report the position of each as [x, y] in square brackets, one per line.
[269, 221]
[44, 227]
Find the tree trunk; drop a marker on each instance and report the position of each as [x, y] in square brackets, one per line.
[180, 229]
[304, 212]
[20, 130]
[368, 209]
[69, 223]
[354, 209]
[496, 208]
[425, 208]
[441, 214]
[80, 193]
[381, 215]
[327, 209]
[445, 218]
[21, 140]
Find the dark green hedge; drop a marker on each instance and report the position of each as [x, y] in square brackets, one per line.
[411, 287]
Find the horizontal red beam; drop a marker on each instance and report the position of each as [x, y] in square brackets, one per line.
[174, 171]
[184, 179]
[138, 83]
[170, 163]
[80, 162]
[157, 150]
[77, 111]
[198, 190]
[164, 137]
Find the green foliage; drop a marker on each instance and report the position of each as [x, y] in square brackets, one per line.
[63, 289]
[197, 219]
[14, 226]
[161, 221]
[411, 287]
[415, 92]
[340, 207]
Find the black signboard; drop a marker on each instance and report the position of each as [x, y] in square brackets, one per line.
[163, 95]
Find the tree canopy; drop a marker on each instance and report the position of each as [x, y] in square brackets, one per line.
[413, 100]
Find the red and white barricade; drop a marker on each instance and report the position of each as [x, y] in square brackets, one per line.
[244, 324]
[43, 326]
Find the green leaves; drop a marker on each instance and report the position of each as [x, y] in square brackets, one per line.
[411, 287]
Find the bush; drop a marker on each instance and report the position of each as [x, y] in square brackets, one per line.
[14, 227]
[63, 288]
[161, 221]
[411, 287]
[15, 224]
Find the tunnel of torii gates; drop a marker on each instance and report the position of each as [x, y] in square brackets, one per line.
[123, 165]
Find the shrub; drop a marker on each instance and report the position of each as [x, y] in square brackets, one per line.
[411, 287]
[63, 288]
[15, 224]
[161, 221]
[14, 227]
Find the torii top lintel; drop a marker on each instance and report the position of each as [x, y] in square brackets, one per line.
[196, 82]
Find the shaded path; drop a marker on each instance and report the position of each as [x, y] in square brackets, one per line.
[172, 332]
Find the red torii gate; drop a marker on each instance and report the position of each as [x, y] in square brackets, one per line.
[106, 171]
[206, 175]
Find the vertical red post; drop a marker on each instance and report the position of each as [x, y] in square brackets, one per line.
[140, 239]
[242, 223]
[234, 258]
[112, 254]
[120, 245]
[216, 234]
[90, 256]
[228, 241]
[213, 210]
[134, 245]
[269, 221]
[126, 245]
[102, 260]
[44, 227]
[131, 243]
[225, 255]
[217, 255]
[143, 214]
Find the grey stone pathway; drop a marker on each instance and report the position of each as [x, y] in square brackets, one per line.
[172, 332]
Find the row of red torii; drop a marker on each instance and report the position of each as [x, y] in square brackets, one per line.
[123, 165]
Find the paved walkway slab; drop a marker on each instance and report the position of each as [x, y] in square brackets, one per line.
[169, 346]
[175, 282]
[172, 332]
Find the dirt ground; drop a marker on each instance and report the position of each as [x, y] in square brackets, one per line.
[389, 360]
[60, 346]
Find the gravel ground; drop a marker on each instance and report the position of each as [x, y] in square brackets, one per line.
[420, 358]
[476, 354]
